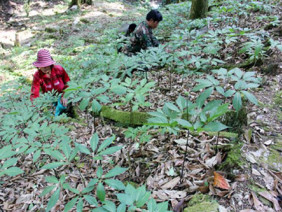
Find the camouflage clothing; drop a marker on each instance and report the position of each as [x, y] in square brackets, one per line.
[142, 39]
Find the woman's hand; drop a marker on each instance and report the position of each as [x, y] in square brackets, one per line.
[64, 101]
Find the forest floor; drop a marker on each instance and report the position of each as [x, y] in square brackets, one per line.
[255, 163]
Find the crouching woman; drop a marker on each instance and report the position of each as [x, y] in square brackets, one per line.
[49, 77]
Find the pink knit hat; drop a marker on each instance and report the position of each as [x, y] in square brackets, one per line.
[44, 59]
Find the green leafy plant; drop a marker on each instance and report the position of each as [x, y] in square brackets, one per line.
[233, 83]
[200, 118]
[133, 199]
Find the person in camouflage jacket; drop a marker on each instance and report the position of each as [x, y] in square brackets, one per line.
[143, 36]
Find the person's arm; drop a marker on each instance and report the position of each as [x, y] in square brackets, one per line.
[35, 88]
[65, 78]
[155, 41]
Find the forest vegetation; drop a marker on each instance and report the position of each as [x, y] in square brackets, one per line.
[191, 125]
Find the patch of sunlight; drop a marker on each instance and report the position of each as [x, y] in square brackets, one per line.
[110, 5]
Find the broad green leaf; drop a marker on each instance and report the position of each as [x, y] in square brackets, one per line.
[79, 205]
[53, 200]
[152, 205]
[36, 155]
[248, 75]
[66, 149]
[106, 143]
[68, 187]
[220, 90]
[203, 96]
[118, 89]
[116, 184]
[172, 106]
[101, 192]
[51, 179]
[125, 199]
[229, 93]
[110, 150]
[238, 72]
[213, 80]
[252, 85]
[144, 199]
[82, 148]
[13, 171]
[9, 162]
[110, 206]
[100, 209]
[92, 182]
[250, 97]
[162, 207]
[181, 102]
[6, 152]
[73, 154]
[184, 123]
[91, 200]
[121, 208]
[94, 142]
[215, 127]
[237, 101]
[99, 172]
[53, 165]
[87, 189]
[222, 109]
[55, 154]
[83, 104]
[240, 85]
[96, 107]
[47, 190]
[115, 171]
[70, 204]
[202, 84]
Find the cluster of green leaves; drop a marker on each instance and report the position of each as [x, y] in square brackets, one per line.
[230, 84]
[85, 195]
[140, 134]
[196, 116]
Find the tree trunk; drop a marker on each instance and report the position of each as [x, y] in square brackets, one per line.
[79, 2]
[199, 9]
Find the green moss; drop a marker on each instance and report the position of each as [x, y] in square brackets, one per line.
[235, 120]
[203, 203]
[138, 118]
[198, 198]
[203, 207]
[256, 189]
[234, 158]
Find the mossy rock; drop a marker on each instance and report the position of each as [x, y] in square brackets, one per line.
[134, 118]
[203, 203]
[274, 158]
[140, 118]
[51, 29]
[234, 158]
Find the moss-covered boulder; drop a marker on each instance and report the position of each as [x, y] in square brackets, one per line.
[203, 203]
[134, 118]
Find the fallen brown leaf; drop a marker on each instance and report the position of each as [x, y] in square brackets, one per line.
[257, 204]
[220, 181]
[267, 195]
[171, 184]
